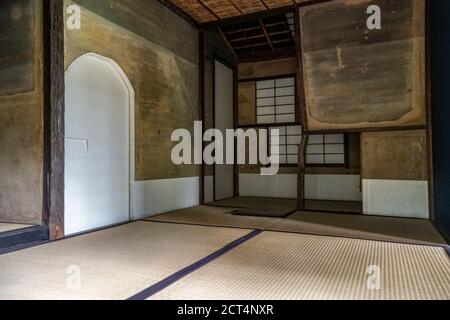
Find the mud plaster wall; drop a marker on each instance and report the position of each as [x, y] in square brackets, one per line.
[158, 51]
[357, 78]
[21, 111]
[396, 155]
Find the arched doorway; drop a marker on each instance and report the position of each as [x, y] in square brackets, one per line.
[98, 122]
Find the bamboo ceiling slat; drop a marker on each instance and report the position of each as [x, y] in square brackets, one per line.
[195, 9]
[204, 11]
[273, 4]
[250, 6]
[222, 8]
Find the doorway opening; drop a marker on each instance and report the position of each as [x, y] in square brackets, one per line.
[99, 156]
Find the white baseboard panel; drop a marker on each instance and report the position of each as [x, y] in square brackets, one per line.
[396, 198]
[160, 196]
[278, 186]
[333, 187]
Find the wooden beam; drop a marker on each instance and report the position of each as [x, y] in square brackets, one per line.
[263, 27]
[54, 130]
[247, 17]
[247, 38]
[301, 89]
[228, 44]
[267, 55]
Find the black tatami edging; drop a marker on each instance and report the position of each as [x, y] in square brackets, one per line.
[154, 289]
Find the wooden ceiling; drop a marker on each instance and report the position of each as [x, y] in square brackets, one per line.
[207, 11]
[267, 37]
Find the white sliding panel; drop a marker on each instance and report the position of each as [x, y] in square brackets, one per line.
[224, 119]
[97, 141]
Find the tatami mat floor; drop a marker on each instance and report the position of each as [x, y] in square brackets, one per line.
[295, 266]
[133, 259]
[277, 203]
[412, 231]
[214, 216]
[112, 264]
[250, 202]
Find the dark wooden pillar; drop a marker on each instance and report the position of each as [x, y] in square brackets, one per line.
[54, 117]
[301, 116]
[201, 103]
[302, 172]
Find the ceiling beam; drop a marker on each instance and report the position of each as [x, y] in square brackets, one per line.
[245, 18]
[228, 44]
[263, 27]
[265, 4]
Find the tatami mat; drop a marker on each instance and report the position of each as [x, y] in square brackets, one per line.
[248, 202]
[6, 227]
[114, 264]
[214, 216]
[295, 266]
[413, 231]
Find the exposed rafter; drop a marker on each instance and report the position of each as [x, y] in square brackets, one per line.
[207, 11]
[263, 27]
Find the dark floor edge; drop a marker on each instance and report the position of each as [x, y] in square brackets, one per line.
[447, 249]
[22, 247]
[18, 238]
[154, 289]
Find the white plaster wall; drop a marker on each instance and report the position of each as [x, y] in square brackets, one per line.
[224, 119]
[160, 196]
[278, 186]
[396, 198]
[317, 187]
[333, 187]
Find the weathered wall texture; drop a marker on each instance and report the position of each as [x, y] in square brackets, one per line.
[357, 78]
[271, 68]
[396, 155]
[246, 103]
[21, 111]
[158, 51]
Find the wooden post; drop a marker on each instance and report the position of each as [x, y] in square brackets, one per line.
[54, 117]
[201, 103]
[301, 115]
[302, 172]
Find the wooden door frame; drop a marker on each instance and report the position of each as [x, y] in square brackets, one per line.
[54, 109]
